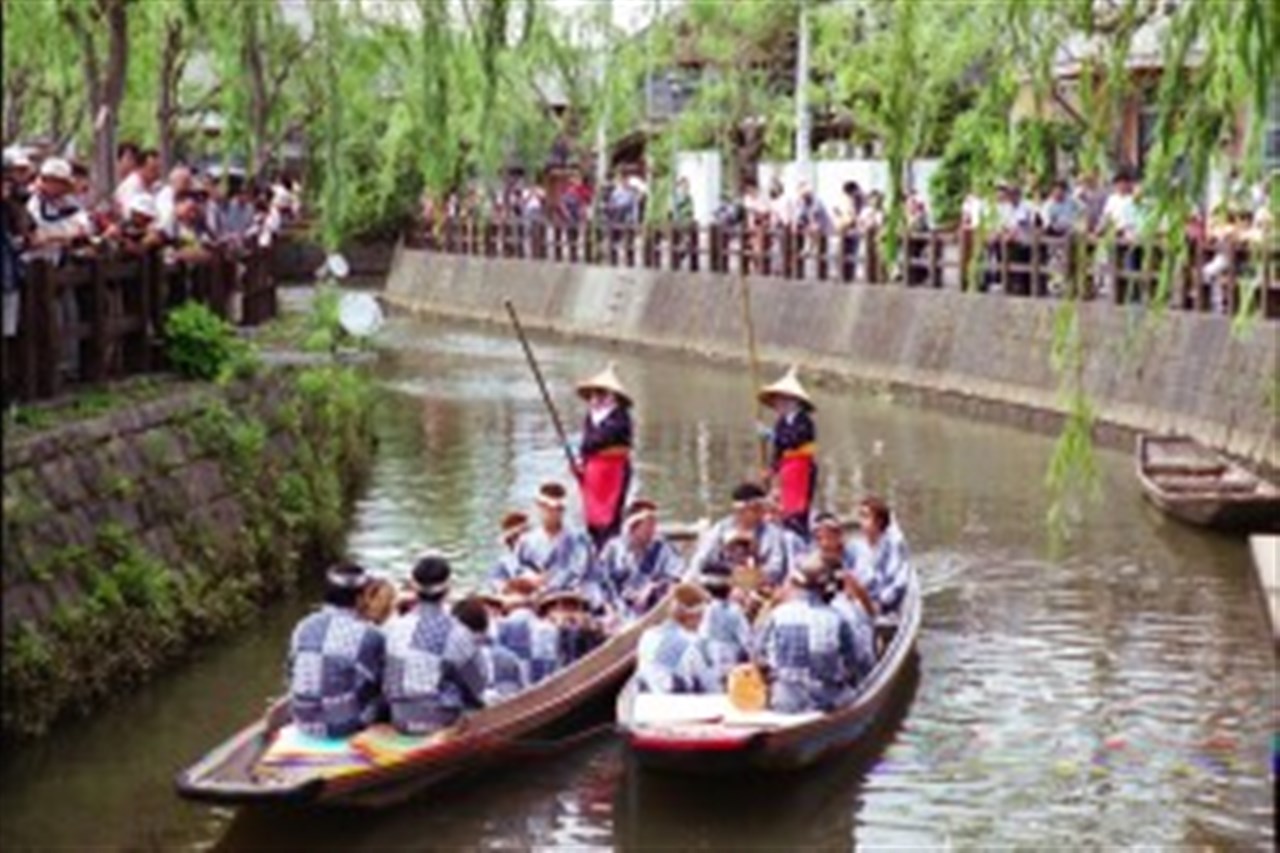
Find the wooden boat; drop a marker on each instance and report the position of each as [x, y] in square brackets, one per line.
[704, 734]
[230, 773]
[1205, 488]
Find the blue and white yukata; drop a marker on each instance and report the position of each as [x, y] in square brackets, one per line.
[636, 579]
[673, 660]
[852, 611]
[564, 560]
[335, 672]
[434, 670]
[884, 571]
[534, 641]
[810, 654]
[770, 546]
[504, 673]
[728, 636]
[507, 568]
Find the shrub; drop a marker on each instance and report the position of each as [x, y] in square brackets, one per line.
[201, 345]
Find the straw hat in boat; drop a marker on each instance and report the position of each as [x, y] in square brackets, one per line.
[563, 596]
[788, 386]
[605, 380]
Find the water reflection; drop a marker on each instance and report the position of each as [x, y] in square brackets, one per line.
[814, 809]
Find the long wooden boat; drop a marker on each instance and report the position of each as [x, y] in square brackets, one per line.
[708, 736]
[1205, 488]
[231, 774]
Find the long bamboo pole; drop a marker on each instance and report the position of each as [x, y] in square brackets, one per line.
[752, 354]
[542, 386]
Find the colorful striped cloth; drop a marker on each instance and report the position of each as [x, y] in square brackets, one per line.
[293, 754]
[383, 745]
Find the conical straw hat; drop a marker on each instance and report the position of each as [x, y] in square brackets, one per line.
[787, 386]
[605, 380]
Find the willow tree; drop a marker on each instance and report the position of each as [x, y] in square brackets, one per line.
[100, 29]
[899, 68]
[1217, 62]
[44, 91]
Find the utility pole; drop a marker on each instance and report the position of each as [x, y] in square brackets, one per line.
[803, 131]
[604, 20]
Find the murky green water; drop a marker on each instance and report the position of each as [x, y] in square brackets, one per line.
[1123, 694]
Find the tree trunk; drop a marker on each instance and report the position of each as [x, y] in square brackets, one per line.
[15, 101]
[105, 87]
[258, 106]
[167, 107]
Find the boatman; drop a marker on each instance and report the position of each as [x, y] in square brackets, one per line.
[435, 671]
[605, 472]
[558, 556]
[793, 466]
[336, 661]
[639, 564]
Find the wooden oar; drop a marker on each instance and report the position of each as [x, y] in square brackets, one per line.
[542, 386]
[750, 326]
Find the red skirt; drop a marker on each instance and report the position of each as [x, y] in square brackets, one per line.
[795, 485]
[605, 477]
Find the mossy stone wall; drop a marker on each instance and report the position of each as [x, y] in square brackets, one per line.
[130, 537]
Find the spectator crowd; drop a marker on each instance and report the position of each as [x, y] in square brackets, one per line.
[52, 210]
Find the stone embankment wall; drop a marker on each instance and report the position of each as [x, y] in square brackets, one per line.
[984, 355]
[132, 536]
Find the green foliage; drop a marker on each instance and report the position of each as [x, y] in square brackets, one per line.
[138, 613]
[200, 344]
[323, 330]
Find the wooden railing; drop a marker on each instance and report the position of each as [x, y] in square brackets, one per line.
[97, 318]
[1041, 265]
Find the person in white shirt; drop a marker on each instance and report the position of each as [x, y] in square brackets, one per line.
[141, 180]
[179, 181]
[59, 220]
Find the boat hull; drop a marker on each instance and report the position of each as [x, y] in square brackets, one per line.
[554, 708]
[1219, 509]
[715, 750]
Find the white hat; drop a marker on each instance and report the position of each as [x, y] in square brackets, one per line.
[605, 380]
[17, 158]
[57, 168]
[788, 386]
[142, 203]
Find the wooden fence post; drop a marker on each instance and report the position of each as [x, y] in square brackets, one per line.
[95, 364]
[873, 256]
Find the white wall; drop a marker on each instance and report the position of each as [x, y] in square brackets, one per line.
[828, 176]
[703, 170]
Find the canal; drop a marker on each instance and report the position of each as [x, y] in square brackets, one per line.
[1120, 694]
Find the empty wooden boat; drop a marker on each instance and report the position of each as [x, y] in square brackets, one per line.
[1202, 487]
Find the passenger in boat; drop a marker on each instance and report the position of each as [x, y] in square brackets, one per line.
[672, 657]
[533, 640]
[577, 631]
[881, 557]
[793, 440]
[748, 519]
[639, 564]
[724, 625]
[435, 670]
[605, 473]
[808, 651]
[794, 546]
[503, 672]
[336, 661]
[850, 600]
[377, 601]
[558, 556]
[514, 525]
